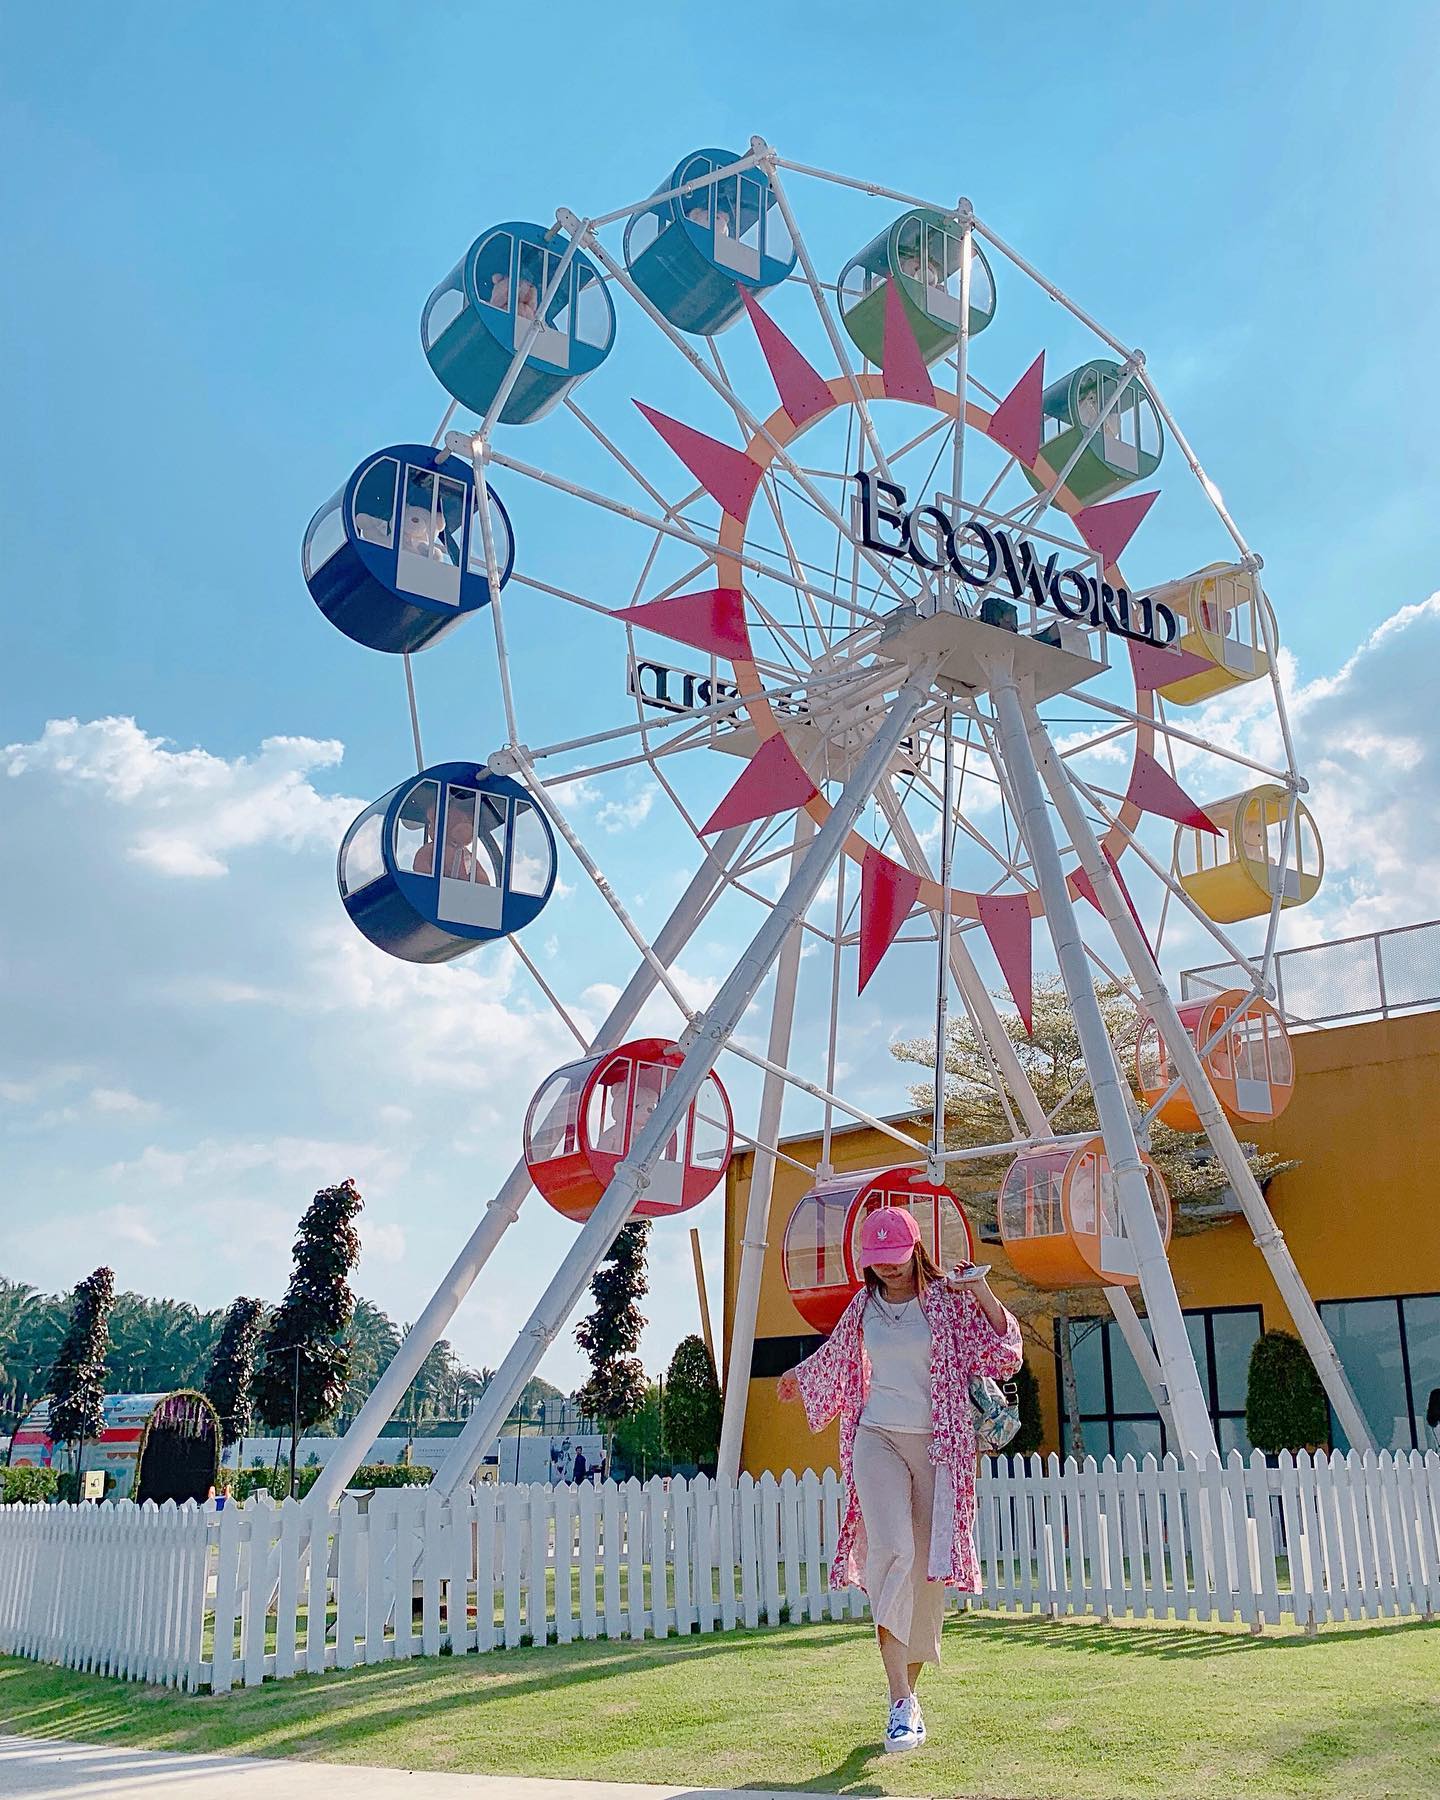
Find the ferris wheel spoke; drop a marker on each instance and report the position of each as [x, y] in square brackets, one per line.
[1005, 858]
[797, 568]
[751, 423]
[671, 511]
[665, 528]
[827, 320]
[1167, 878]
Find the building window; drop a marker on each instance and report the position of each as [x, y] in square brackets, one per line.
[1117, 1415]
[1391, 1352]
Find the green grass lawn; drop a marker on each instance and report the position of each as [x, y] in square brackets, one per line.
[1023, 1707]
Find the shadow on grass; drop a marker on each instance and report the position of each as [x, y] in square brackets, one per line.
[330, 1712]
[1180, 1642]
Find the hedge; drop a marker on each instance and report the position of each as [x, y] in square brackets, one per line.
[24, 1486]
[242, 1483]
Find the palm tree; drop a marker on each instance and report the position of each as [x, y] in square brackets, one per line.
[374, 1339]
[18, 1302]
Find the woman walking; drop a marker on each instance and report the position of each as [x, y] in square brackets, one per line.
[897, 1369]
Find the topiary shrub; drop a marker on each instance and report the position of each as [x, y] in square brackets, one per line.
[1285, 1406]
[691, 1410]
[27, 1487]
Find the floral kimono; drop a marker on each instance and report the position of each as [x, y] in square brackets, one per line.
[836, 1379]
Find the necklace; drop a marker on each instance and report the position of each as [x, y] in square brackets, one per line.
[890, 1309]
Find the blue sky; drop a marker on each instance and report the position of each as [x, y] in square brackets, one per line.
[224, 230]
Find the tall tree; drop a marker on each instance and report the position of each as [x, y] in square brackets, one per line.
[77, 1381]
[1051, 1057]
[691, 1409]
[232, 1368]
[610, 1335]
[637, 1443]
[303, 1358]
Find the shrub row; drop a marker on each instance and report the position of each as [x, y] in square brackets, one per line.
[242, 1483]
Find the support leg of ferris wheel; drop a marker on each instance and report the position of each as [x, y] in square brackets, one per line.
[1193, 1430]
[983, 1011]
[701, 1042]
[1187, 1065]
[504, 1208]
[738, 1359]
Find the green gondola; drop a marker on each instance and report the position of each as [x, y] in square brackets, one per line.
[920, 253]
[1127, 447]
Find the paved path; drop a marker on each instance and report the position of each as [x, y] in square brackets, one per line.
[51, 1769]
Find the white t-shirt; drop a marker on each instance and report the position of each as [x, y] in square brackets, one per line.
[897, 1341]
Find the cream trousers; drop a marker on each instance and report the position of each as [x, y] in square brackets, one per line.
[895, 1485]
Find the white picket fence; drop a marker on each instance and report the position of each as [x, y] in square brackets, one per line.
[195, 1597]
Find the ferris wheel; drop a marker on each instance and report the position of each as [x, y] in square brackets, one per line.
[924, 678]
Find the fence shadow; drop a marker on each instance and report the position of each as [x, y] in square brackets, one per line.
[1190, 1641]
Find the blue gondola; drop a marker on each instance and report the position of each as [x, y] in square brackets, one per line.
[396, 558]
[492, 875]
[475, 319]
[688, 253]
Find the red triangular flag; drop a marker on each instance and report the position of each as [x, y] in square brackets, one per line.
[1155, 668]
[1083, 886]
[1155, 790]
[903, 374]
[773, 781]
[726, 473]
[802, 389]
[1109, 527]
[712, 620]
[1016, 422]
[887, 893]
[1005, 920]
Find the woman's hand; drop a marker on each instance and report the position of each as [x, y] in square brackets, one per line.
[973, 1278]
[788, 1386]
[968, 1278]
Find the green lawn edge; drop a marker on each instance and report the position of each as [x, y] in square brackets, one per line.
[1023, 1709]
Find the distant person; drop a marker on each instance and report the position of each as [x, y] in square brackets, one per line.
[582, 1468]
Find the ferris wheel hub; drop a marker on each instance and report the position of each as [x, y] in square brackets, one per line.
[1058, 659]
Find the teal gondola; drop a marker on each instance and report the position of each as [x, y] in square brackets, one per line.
[478, 316]
[690, 254]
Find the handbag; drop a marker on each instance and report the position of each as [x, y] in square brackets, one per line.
[996, 1414]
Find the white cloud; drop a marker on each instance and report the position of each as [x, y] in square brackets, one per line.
[1367, 738]
[135, 1225]
[121, 1100]
[625, 815]
[384, 1243]
[185, 811]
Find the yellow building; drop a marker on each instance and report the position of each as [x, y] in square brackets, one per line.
[1361, 1214]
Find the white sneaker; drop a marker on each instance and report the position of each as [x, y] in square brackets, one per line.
[900, 1733]
[917, 1719]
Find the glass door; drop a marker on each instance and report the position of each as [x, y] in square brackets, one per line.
[432, 536]
[551, 342]
[470, 893]
[667, 1173]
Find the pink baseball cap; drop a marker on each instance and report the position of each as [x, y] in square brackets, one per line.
[888, 1236]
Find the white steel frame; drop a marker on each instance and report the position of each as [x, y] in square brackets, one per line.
[888, 740]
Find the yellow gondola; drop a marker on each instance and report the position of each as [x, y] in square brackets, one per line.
[1228, 622]
[1238, 874]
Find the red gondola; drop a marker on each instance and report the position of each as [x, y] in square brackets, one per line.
[585, 1117]
[822, 1238]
